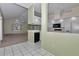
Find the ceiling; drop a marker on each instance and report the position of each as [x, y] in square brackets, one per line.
[25, 5]
[11, 10]
[59, 7]
[55, 7]
[37, 7]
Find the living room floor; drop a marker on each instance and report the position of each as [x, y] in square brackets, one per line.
[11, 39]
[24, 49]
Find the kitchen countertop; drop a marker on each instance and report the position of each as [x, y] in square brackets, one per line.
[33, 30]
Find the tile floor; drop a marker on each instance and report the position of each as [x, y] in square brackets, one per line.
[24, 49]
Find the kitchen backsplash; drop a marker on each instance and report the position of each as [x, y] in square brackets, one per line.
[34, 27]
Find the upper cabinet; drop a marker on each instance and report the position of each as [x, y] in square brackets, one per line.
[32, 18]
[30, 15]
[37, 20]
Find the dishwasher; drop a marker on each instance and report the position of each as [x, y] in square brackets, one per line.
[36, 37]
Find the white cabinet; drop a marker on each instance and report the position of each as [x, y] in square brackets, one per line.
[37, 20]
[32, 19]
[31, 35]
[30, 14]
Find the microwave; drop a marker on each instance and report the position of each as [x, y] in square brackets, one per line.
[57, 25]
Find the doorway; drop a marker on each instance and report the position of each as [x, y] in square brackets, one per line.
[14, 24]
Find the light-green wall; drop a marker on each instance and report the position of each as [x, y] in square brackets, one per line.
[60, 44]
[8, 27]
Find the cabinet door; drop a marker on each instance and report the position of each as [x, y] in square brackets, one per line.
[30, 14]
[67, 24]
[31, 36]
[37, 20]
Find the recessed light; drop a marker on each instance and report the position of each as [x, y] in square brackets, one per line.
[53, 21]
[61, 20]
[73, 18]
[36, 20]
[17, 20]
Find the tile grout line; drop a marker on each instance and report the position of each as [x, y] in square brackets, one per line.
[33, 49]
[27, 49]
[20, 51]
[12, 51]
[37, 51]
[4, 51]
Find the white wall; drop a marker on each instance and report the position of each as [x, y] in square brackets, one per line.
[0, 29]
[8, 24]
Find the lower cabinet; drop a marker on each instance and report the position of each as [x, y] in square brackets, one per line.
[33, 36]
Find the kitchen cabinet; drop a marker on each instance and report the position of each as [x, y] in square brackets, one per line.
[32, 19]
[37, 20]
[33, 36]
[30, 14]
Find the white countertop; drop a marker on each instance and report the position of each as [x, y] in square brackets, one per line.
[33, 30]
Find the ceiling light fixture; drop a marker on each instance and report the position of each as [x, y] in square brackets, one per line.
[61, 20]
[73, 18]
[61, 15]
[36, 20]
[17, 20]
[53, 21]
